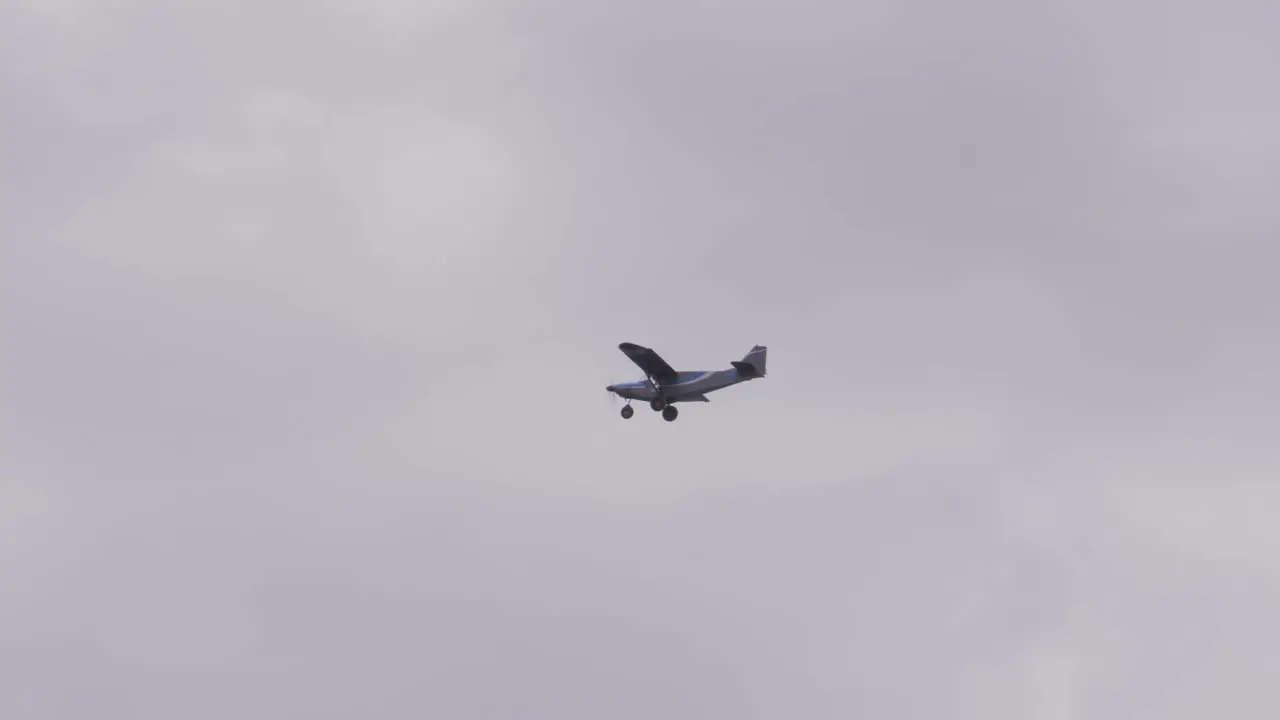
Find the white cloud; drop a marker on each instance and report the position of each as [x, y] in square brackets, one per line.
[309, 311]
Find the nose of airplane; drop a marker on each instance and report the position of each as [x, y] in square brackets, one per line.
[611, 388]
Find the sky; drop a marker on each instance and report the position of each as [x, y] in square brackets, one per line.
[307, 311]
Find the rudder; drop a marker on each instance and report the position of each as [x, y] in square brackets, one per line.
[754, 363]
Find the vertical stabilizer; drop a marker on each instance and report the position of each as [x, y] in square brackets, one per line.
[754, 363]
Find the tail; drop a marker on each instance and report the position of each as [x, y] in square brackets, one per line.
[754, 364]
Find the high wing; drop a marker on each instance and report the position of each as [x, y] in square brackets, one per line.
[649, 361]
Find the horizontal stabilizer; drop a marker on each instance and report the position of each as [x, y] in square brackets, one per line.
[745, 369]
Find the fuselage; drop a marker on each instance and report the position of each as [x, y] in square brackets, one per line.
[687, 387]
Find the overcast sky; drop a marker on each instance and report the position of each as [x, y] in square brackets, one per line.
[307, 310]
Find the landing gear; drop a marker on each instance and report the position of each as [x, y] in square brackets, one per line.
[669, 412]
[657, 404]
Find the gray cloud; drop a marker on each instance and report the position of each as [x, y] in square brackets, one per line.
[308, 312]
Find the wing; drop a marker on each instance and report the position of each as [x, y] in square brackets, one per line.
[649, 361]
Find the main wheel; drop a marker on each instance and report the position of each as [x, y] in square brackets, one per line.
[627, 412]
[657, 404]
[670, 413]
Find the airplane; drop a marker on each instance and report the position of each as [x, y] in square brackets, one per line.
[663, 386]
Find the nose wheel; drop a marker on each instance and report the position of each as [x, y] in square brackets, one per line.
[627, 412]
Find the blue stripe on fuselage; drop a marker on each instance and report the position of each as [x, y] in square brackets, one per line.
[681, 378]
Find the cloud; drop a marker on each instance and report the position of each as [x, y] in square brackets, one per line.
[308, 313]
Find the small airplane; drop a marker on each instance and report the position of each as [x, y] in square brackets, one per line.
[664, 386]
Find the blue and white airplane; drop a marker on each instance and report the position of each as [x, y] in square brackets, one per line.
[664, 386]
